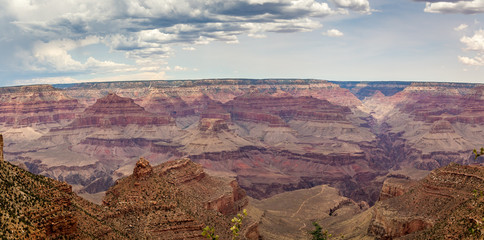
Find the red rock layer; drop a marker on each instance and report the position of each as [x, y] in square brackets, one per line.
[29, 105]
[276, 111]
[446, 104]
[113, 110]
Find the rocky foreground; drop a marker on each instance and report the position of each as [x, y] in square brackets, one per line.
[174, 200]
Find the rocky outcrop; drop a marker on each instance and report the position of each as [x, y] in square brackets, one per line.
[173, 202]
[212, 125]
[395, 186]
[439, 205]
[231, 202]
[142, 169]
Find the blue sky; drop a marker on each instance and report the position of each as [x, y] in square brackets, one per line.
[47, 41]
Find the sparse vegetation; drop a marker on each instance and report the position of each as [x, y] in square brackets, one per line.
[209, 232]
[478, 154]
[318, 233]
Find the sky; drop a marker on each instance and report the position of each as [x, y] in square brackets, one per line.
[49, 41]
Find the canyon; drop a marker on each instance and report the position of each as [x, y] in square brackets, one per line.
[173, 200]
[271, 135]
[176, 199]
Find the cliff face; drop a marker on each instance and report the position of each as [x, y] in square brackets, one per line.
[447, 203]
[28, 106]
[435, 123]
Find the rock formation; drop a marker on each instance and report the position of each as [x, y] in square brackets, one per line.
[395, 186]
[28, 106]
[142, 169]
[113, 110]
[174, 200]
[447, 203]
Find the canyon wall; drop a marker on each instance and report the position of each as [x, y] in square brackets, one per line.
[271, 135]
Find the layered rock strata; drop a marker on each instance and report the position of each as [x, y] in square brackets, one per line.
[447, 203]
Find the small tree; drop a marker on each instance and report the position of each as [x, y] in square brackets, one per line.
[478, 154]
[318, 233]
[237, 224]
[209, 232]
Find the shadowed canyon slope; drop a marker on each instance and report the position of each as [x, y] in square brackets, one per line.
[272, 135]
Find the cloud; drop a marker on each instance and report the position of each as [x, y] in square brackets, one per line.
[475, 61]
[362, 6]
[146, 31]
[433, 1]
[54, 56]
[179, 68]
[464, 7]
[461, 27]
[475, 43]
[123, 77]
[47, 80]
[333, 33]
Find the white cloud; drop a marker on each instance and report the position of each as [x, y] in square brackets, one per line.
[461, 27]
[122, 77]
[54, 56]
[464, 6]
[362, 6]
[474, 43]
[179, 68]
[333, 33]
[47, 80]
[475, 61]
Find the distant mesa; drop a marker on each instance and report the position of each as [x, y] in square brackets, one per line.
[113, 110]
